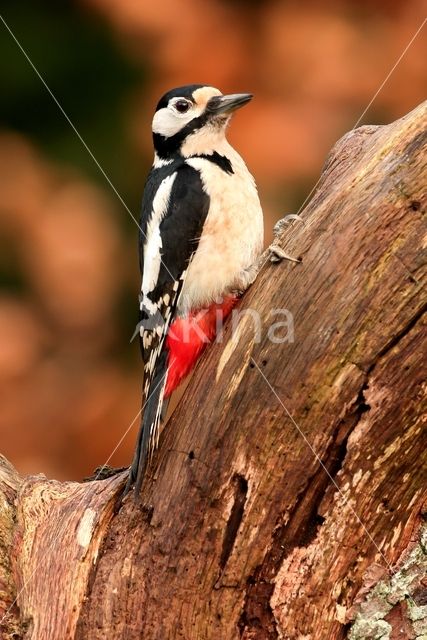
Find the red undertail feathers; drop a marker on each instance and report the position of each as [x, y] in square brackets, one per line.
[188, 337]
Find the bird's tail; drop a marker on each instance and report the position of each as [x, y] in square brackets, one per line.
[148, 435]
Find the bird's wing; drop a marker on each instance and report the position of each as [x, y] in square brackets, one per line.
[171, 226]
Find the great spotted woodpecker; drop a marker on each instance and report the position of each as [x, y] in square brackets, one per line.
[201, 232]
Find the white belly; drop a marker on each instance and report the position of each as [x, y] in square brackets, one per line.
[232, 237]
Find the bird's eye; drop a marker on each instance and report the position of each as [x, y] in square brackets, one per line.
[182, 106]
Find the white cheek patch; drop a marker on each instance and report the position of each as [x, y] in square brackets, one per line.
[167, 122]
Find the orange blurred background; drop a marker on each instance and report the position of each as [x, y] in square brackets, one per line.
[69, 377]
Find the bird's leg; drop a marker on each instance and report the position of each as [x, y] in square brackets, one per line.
[248, 276]
[276, 253]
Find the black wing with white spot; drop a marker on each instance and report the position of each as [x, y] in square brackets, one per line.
[174, 209]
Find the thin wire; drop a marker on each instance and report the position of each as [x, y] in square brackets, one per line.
[52, 95]
[314, 452]
[356, 124]
[119, 442]
[74, 128]
[358, 121]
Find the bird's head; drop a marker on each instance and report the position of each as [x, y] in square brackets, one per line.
[192, 119]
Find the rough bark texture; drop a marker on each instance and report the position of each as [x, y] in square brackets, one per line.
[286, 500]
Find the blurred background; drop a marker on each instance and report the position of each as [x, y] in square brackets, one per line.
[69, 377]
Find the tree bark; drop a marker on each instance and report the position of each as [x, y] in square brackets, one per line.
[286, 499]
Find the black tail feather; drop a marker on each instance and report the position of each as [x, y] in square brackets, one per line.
[148, 430]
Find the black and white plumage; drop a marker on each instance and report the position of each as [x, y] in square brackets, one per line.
[201, 231]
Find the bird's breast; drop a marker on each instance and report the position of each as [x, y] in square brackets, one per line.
[232, 236]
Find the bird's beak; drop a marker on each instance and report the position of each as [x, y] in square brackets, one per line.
[229, 103]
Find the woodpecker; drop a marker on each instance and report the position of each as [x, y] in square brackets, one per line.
[201, 232]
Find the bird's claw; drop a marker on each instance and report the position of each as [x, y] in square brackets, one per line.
[283, 222]
[277, 254]
[103, 472]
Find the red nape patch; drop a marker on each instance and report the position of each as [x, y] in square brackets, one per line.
[187, 338]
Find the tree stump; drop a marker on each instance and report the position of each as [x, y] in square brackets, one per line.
[286, 499]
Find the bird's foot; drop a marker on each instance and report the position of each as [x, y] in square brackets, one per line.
[103, 472]
[284, 222]
[275, 251]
